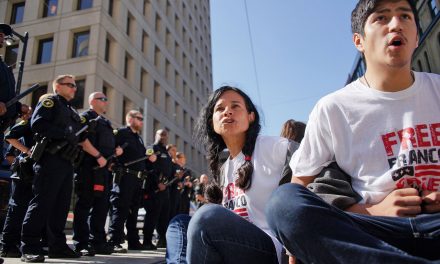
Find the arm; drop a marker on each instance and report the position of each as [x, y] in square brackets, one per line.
[90, 149]
[18, 145]
[303, 180]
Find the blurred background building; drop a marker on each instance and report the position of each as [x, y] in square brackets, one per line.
[427, 56]
[150, 55]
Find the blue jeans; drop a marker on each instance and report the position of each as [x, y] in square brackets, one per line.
[316, 232]
[218, 235]
[177, 240]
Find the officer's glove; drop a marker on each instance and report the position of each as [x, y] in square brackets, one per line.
[70, 136]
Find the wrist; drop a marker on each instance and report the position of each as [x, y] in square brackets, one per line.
[98, 156]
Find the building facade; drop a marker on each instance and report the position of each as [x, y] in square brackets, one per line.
[426, 58]
[150, 55]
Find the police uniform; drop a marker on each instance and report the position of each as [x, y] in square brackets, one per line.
[158, 203]
[56, 120]
[92, 187]
[174, 192]
[186, 193]
[21, 193]
[7, 84]
[126, 193]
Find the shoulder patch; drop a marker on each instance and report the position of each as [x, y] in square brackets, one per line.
[48, 103]
[115, 132]
[23, 122]
[83, 120]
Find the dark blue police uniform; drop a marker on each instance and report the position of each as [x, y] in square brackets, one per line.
[56, 120]
[92, 187]
[126, 193]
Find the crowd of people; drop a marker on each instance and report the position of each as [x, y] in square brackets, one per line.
[359, 183]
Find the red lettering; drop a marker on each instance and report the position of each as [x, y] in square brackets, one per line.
[406, 136]
[422, 135]
[388, 143]
[435, 184]
[435, 134]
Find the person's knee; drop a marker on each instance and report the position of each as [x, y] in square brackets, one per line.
[205, 218]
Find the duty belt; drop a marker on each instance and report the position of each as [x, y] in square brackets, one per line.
[138, 174]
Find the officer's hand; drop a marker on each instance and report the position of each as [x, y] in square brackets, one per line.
[179, 174]
[161, 186]
[101, 161]
[152, 158]
[431, 201]
[3, 108]
[118, 151]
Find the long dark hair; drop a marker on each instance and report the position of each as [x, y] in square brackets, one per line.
[214, 144]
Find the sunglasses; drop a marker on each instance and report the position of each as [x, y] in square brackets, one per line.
[102, 99]
[139, 118]
[70, 85]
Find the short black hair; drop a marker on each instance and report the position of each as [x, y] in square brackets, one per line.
[365, 8]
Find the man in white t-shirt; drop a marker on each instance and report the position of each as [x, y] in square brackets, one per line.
[384, 131]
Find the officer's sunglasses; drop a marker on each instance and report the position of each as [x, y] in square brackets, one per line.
[139, 118]
[70, 85]
[102, 99]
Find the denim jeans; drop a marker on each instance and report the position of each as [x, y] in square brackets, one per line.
[177, 240]
[218, 235]
[316, 232]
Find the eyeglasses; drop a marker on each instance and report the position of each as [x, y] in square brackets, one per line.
[70, 85]
[102, 99]
[139, 118]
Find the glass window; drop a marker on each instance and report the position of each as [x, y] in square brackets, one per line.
[80, 44]
[17, 13]
[78, 101]
[36, 95]
[110, 7]
[44, 50]
[434, 7]
[84, 4]
[11, 55]
[50, 8]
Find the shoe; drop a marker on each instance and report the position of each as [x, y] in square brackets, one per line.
[149, 246]
[32, 258]
[64, 253]
[85, 251]
[161, 243]
[135, 246]
[117, 248]
[102, 249]
[12, 252]
[1, 260]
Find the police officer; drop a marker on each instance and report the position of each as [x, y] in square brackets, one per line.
[173, 188]
[126, 193]
[92, 184]
[20, 137]
[158, 203]
[57, 122]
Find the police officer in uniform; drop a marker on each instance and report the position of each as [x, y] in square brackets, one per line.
[126, 193]
[157, 205]
[57, 122]
[20, 137]
[92, 184]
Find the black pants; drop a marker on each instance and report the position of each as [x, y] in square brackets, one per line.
[157, 215]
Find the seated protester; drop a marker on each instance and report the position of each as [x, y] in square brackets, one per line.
[247, 178]
[377, 129]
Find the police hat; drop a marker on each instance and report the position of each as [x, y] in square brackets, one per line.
[6, 29]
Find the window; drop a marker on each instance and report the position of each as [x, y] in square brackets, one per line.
[107, 50]
[145, 43]
[44, 50]
[434, 7]
[110, 7]
[419, 63]
[17, 13]
[427, 61]
[37, 94]
[156, 98]
[11, 55]
[84, 4]
[50, 8]
[78, 101]
[80, 44]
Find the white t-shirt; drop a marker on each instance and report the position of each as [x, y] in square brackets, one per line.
[268, 159]
[384, 140]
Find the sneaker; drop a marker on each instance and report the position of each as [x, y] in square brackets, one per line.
[12, 252]
[85, 251]
[149, 246]
[161, 243]
[117, 248]
[102, 249]
[32, 258]
[66, 252]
